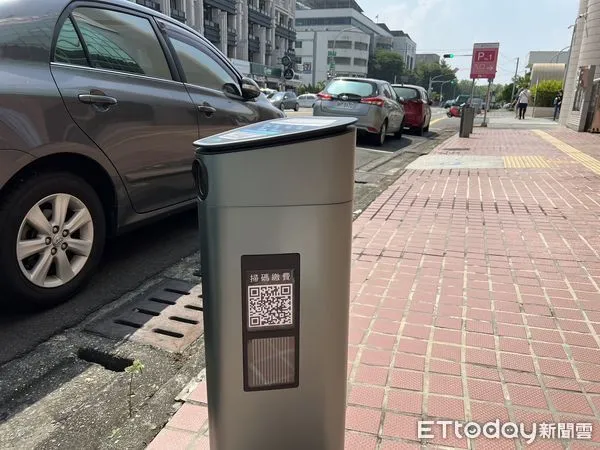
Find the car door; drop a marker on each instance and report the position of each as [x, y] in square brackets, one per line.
[213, 86]
[394, 113]
[124, 94]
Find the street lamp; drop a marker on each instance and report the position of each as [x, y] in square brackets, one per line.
[332, 61]
[431, 80]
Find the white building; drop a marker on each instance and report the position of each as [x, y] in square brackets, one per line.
[334, 36]
[547, 57]
[344, 52]
[255, 31]
[581, 101]
[427, 58]
[403, 44]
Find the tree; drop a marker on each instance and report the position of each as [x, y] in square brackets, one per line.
[545, 92]
[426, 71]
[310, 89]
[386, 65]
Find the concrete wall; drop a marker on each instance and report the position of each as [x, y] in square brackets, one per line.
[585, 52]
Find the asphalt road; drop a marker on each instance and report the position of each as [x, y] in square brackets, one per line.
[131, 259]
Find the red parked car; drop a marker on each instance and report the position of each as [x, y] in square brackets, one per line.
[417, 106]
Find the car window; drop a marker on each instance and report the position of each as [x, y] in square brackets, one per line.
[199, 64]
[277, 95]
[122, 42]
[68, 46]
[351, 87]
[407, 93]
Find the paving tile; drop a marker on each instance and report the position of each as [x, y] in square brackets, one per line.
[371, 375]
[405, 401]
[485, 390]
[409, 361]
[388, 444]
[406, 379]
[169, 439]
[444, 384]
[366, 396]
[360, 441]
[530, 396]
[363, 419]
[570, 402]
[189, 417]
[376, 357]
[445, 407]
[400, 426]
[482, 412]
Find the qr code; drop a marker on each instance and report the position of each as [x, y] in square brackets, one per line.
[270, 306]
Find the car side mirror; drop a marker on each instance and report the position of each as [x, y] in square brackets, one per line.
[250, 89]
[401, 100]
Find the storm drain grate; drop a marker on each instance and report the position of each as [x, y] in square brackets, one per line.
[168, 316]
[456, 149]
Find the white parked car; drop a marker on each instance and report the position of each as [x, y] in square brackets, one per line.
[307, 100]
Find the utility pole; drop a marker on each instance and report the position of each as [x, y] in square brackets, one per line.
[487, 104]
[514, 81]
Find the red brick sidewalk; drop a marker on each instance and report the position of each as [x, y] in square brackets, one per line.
[475, 297]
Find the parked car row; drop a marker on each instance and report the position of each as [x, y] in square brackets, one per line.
[380, 107]
[100, 139]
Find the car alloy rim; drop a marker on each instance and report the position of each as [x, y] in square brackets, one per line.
[55, 240]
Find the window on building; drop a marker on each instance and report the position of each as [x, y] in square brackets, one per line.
[122, 42]
[361, 62]
[361, 46]
[298, 44]
[344, 45]
[343, 60]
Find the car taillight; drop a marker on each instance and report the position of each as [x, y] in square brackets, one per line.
[324, 96]
[376, 101]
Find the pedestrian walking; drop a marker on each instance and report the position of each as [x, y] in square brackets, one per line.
[557, 104]
[522, 102]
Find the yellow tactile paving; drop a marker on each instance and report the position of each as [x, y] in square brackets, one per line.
[583, 158]
[528, 162]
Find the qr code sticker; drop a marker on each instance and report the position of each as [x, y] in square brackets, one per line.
[270, 306]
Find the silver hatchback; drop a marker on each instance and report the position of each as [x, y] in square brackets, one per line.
[373, 102]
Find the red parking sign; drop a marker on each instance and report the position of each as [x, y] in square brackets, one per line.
[485, 59]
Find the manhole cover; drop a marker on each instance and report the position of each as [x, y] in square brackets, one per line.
[169, 317]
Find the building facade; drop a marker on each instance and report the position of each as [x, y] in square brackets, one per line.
[320, 53]
[403, 44]
[334, 37]
[426, 58]
[547, 57]
[258, 32]
[581, 98]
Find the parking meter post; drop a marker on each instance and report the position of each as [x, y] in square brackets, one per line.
[487, 104]
[276, 257]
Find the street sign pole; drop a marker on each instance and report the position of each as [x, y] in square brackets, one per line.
[487, 104]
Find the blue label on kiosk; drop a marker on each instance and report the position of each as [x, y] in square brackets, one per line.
[289, 128]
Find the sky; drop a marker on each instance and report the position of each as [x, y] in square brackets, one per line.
[452, 26]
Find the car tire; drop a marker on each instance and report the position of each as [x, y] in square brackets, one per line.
[296, 107]
[379, 138]
[36, 246]
[282, 106]
[426, 129]
[398, 134]
[420, 130]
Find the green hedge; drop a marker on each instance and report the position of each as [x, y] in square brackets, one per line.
[545, 92]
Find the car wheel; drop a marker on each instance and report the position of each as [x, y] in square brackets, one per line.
[282, 106]
[426, 129]
[52, 233]
[296, 107]
[420, 130]
[398, 134]
[379, 138]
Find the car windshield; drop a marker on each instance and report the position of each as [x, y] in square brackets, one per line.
[406, 93]
[351, 88]
[276, 96]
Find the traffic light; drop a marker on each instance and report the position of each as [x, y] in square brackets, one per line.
[449, 55]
